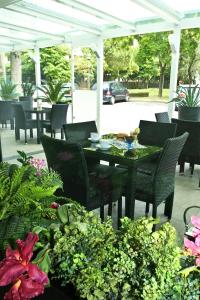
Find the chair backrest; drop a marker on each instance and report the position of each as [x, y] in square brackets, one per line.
[19, 114]
[165, 172]
[68, 160]
[58, 115]
[6, 110]
[162, 117]
[154, 133]
[79, 131]
[191, 149]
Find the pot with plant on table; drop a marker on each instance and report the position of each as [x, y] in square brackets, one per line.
[188, 102]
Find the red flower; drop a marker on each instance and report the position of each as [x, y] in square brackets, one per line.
[28, 279]
[54, 205]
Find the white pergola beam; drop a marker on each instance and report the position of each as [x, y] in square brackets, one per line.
[174, 41]
[100, 51]
[5, 3]
[30, 30]
[98, 13]
[160, 9]
[48, 14]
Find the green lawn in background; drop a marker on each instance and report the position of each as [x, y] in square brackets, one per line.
[153, 94]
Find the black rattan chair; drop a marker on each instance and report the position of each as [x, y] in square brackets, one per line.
[21, 122]
[79, 132]
[58, 117]
[162, 117]
[91, 189]
[191, 150]
[159, 185]
[154, 133]
[7, 113]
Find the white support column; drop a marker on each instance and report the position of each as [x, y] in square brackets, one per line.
[174, 40]
[37, 67]
[100, 56]
[72, 82]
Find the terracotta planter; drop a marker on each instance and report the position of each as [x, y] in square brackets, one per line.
[189, 113]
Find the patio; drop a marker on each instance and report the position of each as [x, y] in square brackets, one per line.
[186, 187]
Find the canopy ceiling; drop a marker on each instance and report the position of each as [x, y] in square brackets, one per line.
[26, 24]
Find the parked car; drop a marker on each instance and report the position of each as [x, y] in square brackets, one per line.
[113, 91]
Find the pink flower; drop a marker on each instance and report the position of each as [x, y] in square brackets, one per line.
[198, 261]
[28, 280]
[192, 247]
[181, 95]
[54, 205]
[37, 163]
[195, 221]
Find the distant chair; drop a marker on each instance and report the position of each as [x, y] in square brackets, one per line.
[191, 149]
[162, 117]
[91, 189]
[154, 133]
[159, 185]
[7, 113]
[21, 122]
[79, 132]
[58, 117]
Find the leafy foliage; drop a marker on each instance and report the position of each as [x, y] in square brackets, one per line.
[8, 90]
[132, 263]
[188, 96]
[52, 92]
[120, 57]
[23, 193]
[28, 88]
[54, 63]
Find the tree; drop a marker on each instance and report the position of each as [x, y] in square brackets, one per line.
[154, 52]
[120, 56]
[16, 70]
[190, 53]
[55, 63]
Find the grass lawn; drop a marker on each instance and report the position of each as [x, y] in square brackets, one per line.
[153, 94]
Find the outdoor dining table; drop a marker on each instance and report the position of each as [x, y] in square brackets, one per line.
[39, 117]
[130, 159]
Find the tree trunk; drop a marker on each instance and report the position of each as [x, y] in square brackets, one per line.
[161, 81]
[2, 66]
[16, 69]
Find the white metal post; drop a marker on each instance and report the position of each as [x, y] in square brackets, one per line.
[100, 56]
[72, 82]
[174, 40]
[37, 67]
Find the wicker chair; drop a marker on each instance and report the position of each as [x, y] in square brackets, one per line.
[91, 189]
[79, 132]
[21, 122]
[159, 185]
[191, 150]
[58, 117]
[154, 133]
[7, 113]
[162, 117]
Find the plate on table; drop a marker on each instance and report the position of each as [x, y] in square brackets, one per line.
[104, 148]
[93, 141]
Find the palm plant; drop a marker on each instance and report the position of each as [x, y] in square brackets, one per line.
[28, 88]
[187, 96]
[8, 90]
[53, 92]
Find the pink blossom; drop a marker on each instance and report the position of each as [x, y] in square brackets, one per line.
[181, 95]
[195, 221]
[28, 280]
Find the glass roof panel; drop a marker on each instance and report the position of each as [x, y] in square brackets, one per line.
[68, 11]
[183, 6]
[126, 9]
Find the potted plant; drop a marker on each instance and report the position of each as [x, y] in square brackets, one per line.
[188, 103]
[8, 90]
[27, 98]
[53, 93]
